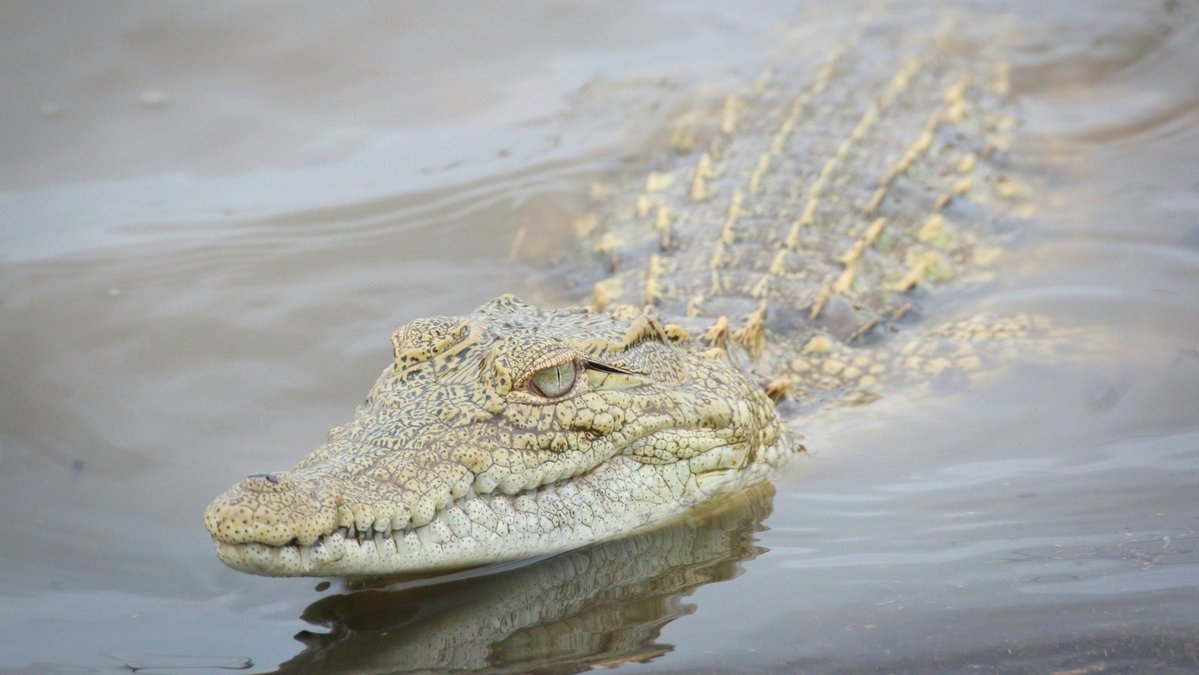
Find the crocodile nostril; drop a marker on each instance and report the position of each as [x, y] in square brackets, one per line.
[269, 477]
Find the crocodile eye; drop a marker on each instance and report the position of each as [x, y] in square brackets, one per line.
[554, 381]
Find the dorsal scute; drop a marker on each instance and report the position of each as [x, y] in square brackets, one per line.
[647, 326]
[620, 331]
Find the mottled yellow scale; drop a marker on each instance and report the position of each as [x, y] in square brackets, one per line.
[953, 100]
[899, 81]
[779, 138]
[802, 242]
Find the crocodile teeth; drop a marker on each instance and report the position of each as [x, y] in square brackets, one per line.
[423, 513]
[426, 537]
[433, 534]
[364, 521]
[382, 526]
[385, 546]
[400, 519]
[409, 540]
[320, 552]
[345, 517]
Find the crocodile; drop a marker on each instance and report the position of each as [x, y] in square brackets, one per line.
[778, 254]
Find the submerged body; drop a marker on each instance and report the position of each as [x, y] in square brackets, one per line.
[778, 247]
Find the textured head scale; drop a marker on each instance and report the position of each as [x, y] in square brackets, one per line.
[424, 338]
[506, 433]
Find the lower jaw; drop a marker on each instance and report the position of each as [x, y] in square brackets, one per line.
[336, 556]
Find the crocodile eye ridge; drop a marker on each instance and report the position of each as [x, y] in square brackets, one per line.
[554, 381]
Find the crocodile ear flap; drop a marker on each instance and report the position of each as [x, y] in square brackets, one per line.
[423, 339]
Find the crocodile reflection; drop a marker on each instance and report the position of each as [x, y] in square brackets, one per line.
[598, 606]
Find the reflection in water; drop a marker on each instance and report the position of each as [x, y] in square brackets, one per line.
[602, 605]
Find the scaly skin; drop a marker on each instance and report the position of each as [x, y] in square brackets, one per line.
[457, 459]
[785, 233]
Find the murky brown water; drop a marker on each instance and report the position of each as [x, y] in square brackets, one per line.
[211, 219]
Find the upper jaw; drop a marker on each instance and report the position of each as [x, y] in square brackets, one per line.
[480, 529]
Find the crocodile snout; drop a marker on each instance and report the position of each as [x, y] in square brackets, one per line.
[271, 509]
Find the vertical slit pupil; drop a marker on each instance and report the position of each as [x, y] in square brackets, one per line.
[554, 381]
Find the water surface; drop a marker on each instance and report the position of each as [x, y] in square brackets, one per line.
[212, 219]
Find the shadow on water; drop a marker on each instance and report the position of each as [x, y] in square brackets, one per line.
[600, 606]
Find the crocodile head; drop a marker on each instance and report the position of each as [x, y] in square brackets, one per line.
[507, 433]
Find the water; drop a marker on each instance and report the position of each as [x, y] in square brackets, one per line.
[211, 220]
